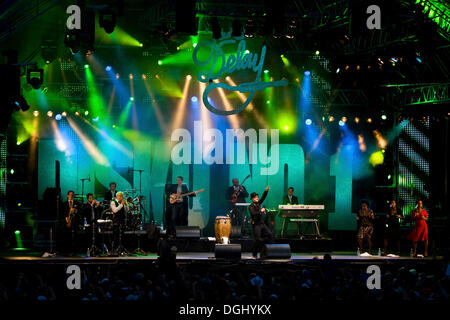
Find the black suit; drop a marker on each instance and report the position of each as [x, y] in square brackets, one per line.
[109, 195]
[287, 201]
[177, 213]
[67, 242]
[260, 230]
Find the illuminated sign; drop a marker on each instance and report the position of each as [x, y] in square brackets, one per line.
[242, 60]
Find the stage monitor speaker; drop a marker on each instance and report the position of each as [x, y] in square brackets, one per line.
[276, 251]
[228, 251]
[192, 232]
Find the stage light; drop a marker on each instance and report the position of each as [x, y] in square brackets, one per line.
[144, 76]
[266, 71]
[389, 177]
[117, 76]
[307, 73]
[35, 113]
[12, 171]
[358, 67]
[194, 99]
[356, 119]
[268, 102]
[337, 70]
[308, 122]
[247, 51]
[96, 119]
[383, 116]
[131, 98]
[160, 62]
[194, 44]
[141, 44]
[286, 127]
[50, 114]
[86, 113]
[347, 67]
[330, 118]
[108, 68]
[18, 143]
[77, 113]
[297, 79]
[86, 66]
[369, 120]
[341, 123]
[189, 77]
[17, 232]
[107, 20]
[317, 52]
[35, 77]
[58, 117]
[130, 76]
[64, 114]
[419, 60]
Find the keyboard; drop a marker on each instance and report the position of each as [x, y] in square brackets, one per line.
[301, 207]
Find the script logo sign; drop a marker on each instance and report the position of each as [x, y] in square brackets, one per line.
[241, 60]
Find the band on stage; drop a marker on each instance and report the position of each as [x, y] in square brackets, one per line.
[115, 214]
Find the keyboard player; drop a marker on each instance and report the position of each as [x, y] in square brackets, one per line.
[290, 198]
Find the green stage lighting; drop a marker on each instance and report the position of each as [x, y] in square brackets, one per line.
[86, 66]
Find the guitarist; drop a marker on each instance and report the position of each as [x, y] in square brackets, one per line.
[70, 221]
[236, 194]
[177, 213]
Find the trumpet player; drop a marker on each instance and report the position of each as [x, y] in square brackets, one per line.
[91, 208]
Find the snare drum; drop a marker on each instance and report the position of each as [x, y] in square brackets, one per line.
[222, 228]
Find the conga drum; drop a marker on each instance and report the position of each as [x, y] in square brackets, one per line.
[222, 228]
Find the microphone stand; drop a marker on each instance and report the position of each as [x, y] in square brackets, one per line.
[82, 185]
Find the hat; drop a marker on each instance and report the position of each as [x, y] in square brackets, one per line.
[254, 194]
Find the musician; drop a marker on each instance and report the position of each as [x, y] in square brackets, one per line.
[177, 213]
[91, 209]
[239, 193]
[420, 230]
[111, 193]
[119, 209]
[290, 198]
[260, 230]
[392, 231]
[365, 218]
[70, 222]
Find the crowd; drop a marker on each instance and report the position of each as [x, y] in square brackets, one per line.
[321, 280]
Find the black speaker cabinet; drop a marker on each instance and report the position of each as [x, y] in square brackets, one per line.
[228, 251]
[276, 251]
[192, 232]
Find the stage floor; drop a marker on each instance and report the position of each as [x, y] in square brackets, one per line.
[33, 257]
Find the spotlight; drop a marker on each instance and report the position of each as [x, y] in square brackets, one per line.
[330, 118]
[286, 127]
[282, 56]
[48, 51]
[194, 99]
[419, 60]
[308, 122]
[86, 113]
[317, 52]
[107, 20]
[266, 71]
[347, 67]
[341, 123]
[131, 76]
[58, 117]
[337, 70]
[344, 119]
[18, 143]
[108, 68]
[144, 76]
[189, 77]
[268, 102]
[96, 119]
[131, 98]
[194, 44]
[141, 44]
[159, 62]
[369, 120]
[383, 116]
[307, 73]
[357, 120]
[77, 113]
[50, 114]
[35, 113]
[35, 77]
[17, 232]
[86, 66]
[12, 171]
[358, 67]
[64, 114]
[117, 76]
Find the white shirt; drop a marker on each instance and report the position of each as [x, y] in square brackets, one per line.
[116, 209]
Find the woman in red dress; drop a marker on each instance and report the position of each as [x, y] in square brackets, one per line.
[420, 231]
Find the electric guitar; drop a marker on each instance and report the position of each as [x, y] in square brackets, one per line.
[237, 192]
[177, 197]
